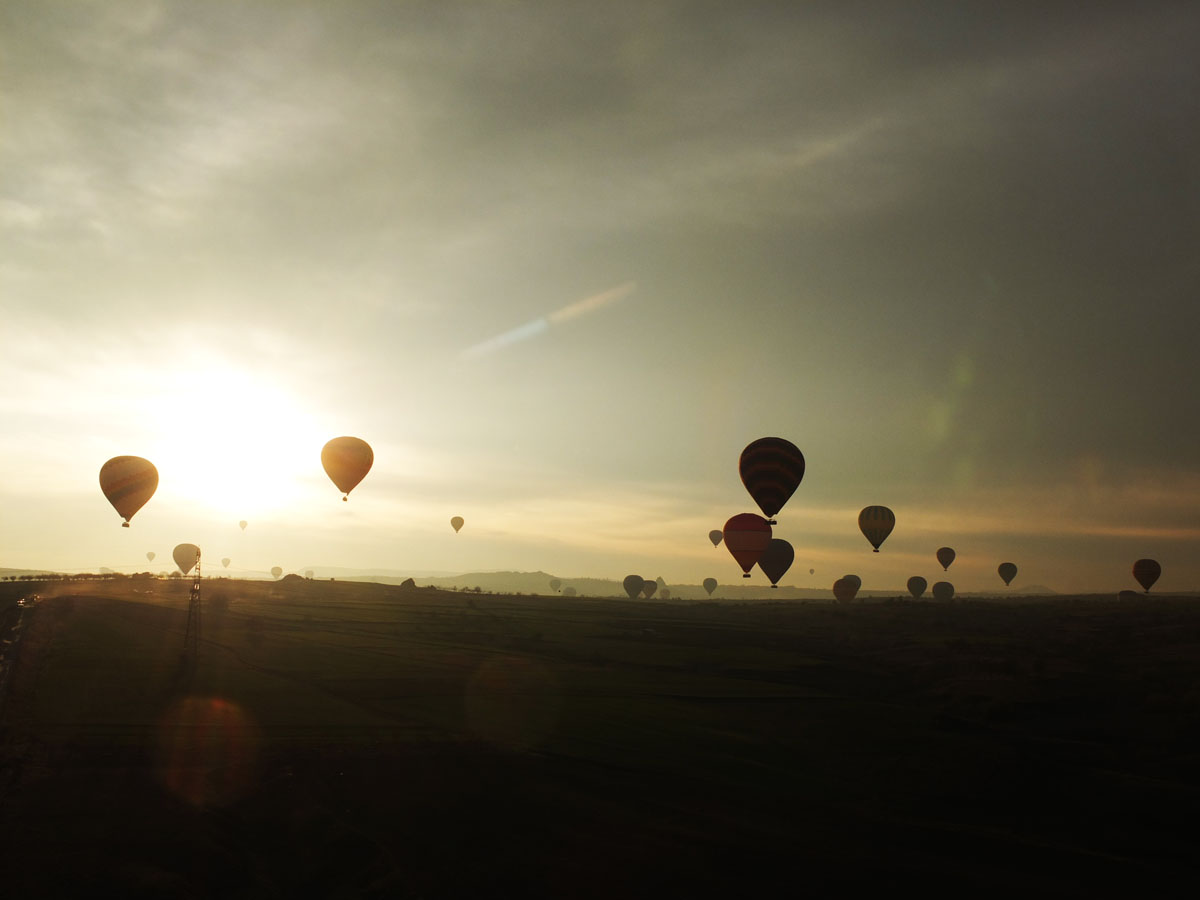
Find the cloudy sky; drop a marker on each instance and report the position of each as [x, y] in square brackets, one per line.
[560, 262]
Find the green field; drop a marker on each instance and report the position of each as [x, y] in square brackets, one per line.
[359, 740]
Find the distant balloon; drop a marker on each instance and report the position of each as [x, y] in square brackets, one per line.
[1146, 571]
[225, 562]
[776, 560]
[665, 593]
[633, 585]
[569, 592]
[710, 585]
[1008, 571]
[945, 556]
[276, 571]
[308, 573]
[128, 482]
[844, 590]
[771, 469]
[242, 524]
[661, 582]
[555, 584]
[186, 556]
[649, 586]
[876, 523]
[347, 460]
[746, 536]
[916, 586]
[812, 571]
[943, 591]
[715, 537]
[150, 556]
[855, 580]
[456, 523]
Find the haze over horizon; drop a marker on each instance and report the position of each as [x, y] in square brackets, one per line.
[559, 265]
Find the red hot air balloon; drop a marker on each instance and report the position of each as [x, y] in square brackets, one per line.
[771, 469]
[1146, 571]
[747, 535]
[776, 560]
[945, 556]
[916, 586]
[347, 460]
[1008, 571]
[128, 482]
[876, 523]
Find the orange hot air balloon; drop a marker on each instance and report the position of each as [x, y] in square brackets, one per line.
[1146, 571]
[1008, 571]
[456, 523]
[128, 482]
[776, 560]
[633, 585]
[347, 460]
[944, 591]
[876, 523]
[715, 537]
[186, 556]
[771, 469]
[710, 585]
[747, 535]
[916, 586]
[945, 556]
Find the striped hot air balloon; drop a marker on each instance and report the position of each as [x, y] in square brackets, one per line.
[876, 523]
[771, 469]
[128, 482]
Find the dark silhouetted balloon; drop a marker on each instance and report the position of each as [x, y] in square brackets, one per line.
[226, 561]
[746, 536]
[943, 590]
[945, 556]
[633, 585]
[186, 556]
[771, 469]
[812, 571]
[855, 580]
[456, 523]
[876, 523]
[844, 590]
[710, 585]
[150, 556]
[242, 524]
[276, 571]
[715, 537]
[776, 560]
[1146, 571]
[916, 586]
[128, 482]
[555, 584]
[347, 460]
[649, 586]
[1008, 571]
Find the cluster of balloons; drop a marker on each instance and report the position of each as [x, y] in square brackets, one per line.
[771, 469]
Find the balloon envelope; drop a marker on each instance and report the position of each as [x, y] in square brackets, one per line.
[747, 535]
[855, 580]
[569, 592]
[715, 537]
[128, 482]
[771, 469]
[633, 585]
[844, 590]
[1146, 571]
[776, 560]
[945, 556]
[943, 590]
[150, 556]
[242, 524]
[276, 571]
[710, 585]
[186, 556]
[916, 586]
[347, 460]
[649, 586]
[1008, 571]
[555, 584]
[225, 562]
[456, 523]
[876, 523]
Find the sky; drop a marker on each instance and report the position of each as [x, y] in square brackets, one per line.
[558, 263]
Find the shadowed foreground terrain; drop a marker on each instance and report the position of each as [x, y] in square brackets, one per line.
[358, 740]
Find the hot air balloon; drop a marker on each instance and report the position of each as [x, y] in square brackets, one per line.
[555, 584]
[226, 561]
[1146, 571]
[812, 571]
[569, 592]
[776, 560]
[276, 571]
[945, 556]
[1008, 571]
[347, 460]
[943, 590]
[855, 580]
[633, 585]
[771, 469]
[150, 556]
[844, 590]
[649, 586]
[747, 535]
[128, 482]
[710, 585]
[242, 524]
[916, 586]
[186, 556]
[876, 523]
[715, 537]
[308, 573]
[456, 523]
[665, 593]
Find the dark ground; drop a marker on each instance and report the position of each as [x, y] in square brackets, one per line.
[343, 740]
